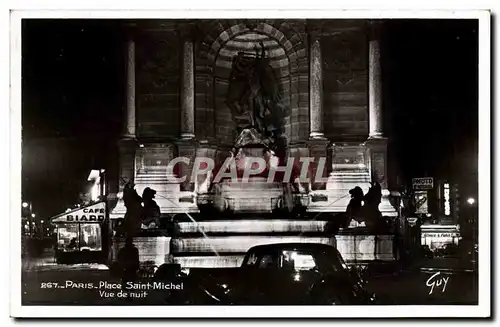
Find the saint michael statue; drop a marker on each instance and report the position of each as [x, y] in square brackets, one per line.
[254, 96]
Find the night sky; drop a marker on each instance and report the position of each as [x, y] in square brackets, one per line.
[73, 97]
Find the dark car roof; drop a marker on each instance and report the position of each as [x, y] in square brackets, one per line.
[298, 245]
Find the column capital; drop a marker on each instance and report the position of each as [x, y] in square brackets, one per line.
[314, 30]
[187, 31]
[375, 28]
[130, 30]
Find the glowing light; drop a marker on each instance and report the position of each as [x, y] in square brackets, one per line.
[33, 215]
[41, 221]
[471, 201]
[94, 193]
[25, 204]
[94, 175]
[296, 277]
[141, 145]
[412, 221]
[447, 209]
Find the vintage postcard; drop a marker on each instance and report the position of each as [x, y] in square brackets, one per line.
[195, 164]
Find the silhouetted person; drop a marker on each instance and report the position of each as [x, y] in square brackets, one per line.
[132, 201]
[353, 210]
[72, 244]
[151, 211]
[373, 216]
[128, 262]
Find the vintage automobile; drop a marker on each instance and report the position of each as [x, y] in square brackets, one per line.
[279, 274]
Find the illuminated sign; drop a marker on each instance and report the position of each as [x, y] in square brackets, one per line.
[437, 235]
[421, 205]
[94, 213]
[423, 183]
[447, 209]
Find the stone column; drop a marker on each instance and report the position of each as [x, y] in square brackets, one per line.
[374, 82]
[130, 131]
[187, 90]
[315, 87]
[128, 143]
[376, 142]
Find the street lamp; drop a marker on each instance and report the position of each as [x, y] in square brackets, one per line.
[471, 201]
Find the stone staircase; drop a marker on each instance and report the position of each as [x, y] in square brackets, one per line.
[224, 243]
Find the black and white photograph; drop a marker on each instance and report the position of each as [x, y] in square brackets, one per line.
[223, 160]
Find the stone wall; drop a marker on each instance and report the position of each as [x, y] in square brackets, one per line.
[158, 84]
[344, 53]
[345, 76]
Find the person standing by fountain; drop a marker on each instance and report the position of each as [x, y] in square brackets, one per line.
[128, 261]
[132, 219]
[151, 212]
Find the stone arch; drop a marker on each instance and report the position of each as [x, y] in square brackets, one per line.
[216, 36]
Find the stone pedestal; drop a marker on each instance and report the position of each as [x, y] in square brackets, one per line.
[350, 167]
[378, 159]
[256, 195]
[366, 248]
[150, 162]
[320, 166]
[187, 149]
[127, 149]
[152, 249]
[202, 182]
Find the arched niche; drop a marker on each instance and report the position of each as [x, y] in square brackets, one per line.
[222, 40]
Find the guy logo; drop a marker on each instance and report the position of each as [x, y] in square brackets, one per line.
[434, 281]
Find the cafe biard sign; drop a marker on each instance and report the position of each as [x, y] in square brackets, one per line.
[94, 213]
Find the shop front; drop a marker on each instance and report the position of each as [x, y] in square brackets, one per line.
[82, 235]
[437, 237]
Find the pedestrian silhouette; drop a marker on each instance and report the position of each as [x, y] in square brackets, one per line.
[132, 201]
[151, 211]
[128, 261]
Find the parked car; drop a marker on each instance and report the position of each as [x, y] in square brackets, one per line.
[280, 274]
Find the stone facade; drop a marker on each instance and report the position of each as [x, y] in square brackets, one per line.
[178, 74]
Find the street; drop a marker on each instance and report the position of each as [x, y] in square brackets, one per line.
[427, 282]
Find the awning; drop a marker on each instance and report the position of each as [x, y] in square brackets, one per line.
[93, 213]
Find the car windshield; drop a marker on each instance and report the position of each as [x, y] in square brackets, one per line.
[296, 259]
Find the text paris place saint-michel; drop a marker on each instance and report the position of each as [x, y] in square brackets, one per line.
[105, 285]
